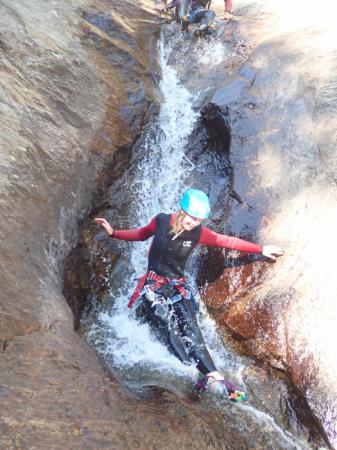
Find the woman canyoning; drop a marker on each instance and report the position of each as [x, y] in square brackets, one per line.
[166, 300]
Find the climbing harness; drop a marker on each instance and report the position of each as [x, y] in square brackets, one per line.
[159, 281]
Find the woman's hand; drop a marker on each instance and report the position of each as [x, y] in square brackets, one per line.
[105, 224]
[272, 252]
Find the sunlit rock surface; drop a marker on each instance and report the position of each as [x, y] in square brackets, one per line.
[64, 115]
[282, 108]
[68, 113]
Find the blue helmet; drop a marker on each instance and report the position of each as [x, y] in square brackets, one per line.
[195, 203]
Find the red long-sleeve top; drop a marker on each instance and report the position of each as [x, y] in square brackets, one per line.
[207, 237]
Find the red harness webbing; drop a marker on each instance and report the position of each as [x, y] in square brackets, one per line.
[178, 283]
[139, 287]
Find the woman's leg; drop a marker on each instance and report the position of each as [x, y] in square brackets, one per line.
[161, 320]
[194, 343]
[205, 18]
[228, 9]
[176, 326]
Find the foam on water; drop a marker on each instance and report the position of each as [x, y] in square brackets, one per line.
[282, 439]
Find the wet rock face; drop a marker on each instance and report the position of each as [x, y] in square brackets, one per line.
[213, 123]
[283, 312]
[226, 280]
[208, 149]
[62, 123]
[55, 394]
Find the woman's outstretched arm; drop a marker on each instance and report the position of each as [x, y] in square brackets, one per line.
[209, 237]
[137, 234]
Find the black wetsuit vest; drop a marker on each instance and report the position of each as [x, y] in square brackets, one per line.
[168, 257]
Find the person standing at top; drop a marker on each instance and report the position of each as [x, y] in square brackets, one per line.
[197, 11]
[228, 9]
[166, 300]
[164, 6]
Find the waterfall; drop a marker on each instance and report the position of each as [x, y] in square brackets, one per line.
[160, 179]
[127, 345]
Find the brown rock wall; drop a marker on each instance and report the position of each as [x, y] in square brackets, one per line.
[72, 94]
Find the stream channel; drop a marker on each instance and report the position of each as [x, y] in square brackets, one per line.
[187, 142]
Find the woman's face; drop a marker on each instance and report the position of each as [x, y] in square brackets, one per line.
[190, 222]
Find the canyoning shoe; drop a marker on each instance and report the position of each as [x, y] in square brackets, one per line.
[201, 31]
[237, 396]
[211, 31]
[200, 34]
[234, 393]
[197, 34]
[223, 387]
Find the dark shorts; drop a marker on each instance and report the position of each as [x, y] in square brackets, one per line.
[204, 17]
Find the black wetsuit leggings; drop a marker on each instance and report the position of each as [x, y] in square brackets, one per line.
[176, 326]
[204, 17]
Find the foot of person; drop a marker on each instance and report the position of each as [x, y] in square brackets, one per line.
[222, 387]
[201, 32]
[184, 23]
[198, 33]
[211, 31]
[237, 395]
[228, 15]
